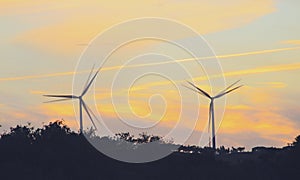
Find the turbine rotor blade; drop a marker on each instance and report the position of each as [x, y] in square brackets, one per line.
[58, 100]
[203, 92]
[88, 113]
[220, 95]
[192, 89]
[92, 112]
[86, 83]
[90, 83]
[61, 96]
[229, 87]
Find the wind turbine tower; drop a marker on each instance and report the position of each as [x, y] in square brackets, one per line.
[211, 106]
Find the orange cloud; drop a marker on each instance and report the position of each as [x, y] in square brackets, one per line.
[139, 104]
[266, 124]
[261, 116]
[63, 111]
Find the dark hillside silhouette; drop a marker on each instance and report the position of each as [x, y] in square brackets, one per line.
[56, 152]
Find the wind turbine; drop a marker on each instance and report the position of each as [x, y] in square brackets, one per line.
[211, 106]
[82, 104]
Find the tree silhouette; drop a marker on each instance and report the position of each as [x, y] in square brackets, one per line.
[296, 143]
[222, 150]
[56, 152]
[240, 149]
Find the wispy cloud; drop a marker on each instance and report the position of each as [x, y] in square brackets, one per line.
[37, 92]
[264, 69]
[37, 76]
[79, 21]
[274, 84]
[294, 42]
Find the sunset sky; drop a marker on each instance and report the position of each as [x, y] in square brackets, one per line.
[257, 41]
